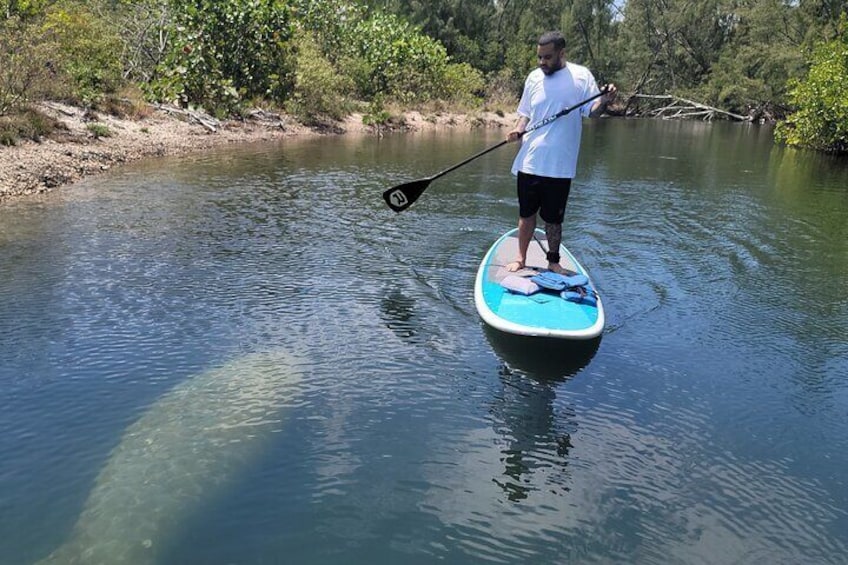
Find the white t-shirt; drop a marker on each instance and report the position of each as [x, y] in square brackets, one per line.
[551, 151]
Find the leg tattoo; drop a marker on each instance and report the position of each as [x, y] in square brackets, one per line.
[554, 235]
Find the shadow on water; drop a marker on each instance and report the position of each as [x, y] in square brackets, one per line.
[547, 360]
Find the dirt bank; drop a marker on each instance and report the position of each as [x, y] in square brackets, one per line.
[31, 168]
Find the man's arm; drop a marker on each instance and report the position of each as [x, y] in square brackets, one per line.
[601, 103]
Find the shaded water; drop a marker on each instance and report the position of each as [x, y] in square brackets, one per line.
[707, 426]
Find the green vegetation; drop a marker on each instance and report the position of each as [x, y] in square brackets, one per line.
[222, 53]
[26, 71]
[99, 130]
[321, 93]
[821, 99]
[25, 124]
[89, 50]
[322, 59]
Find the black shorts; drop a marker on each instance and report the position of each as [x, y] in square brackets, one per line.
[545, 195]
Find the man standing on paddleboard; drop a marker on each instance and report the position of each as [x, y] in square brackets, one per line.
[547, 159]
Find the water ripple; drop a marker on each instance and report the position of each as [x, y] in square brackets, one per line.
[705, 427]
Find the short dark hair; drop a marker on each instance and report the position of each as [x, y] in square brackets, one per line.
[554, 37]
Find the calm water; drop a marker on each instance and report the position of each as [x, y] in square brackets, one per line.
[709, 425]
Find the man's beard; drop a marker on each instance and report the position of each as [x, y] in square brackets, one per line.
[552, 69]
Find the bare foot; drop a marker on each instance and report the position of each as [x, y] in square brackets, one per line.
[515, 266]
[558, 269]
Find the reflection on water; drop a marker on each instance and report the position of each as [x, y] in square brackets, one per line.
[534, 432]
[533, 435]
[399, 313]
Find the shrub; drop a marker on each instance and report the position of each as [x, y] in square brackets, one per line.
[376, 114]
[502, 91]
[319, 89]
[386, 55]
[463, 84]
[99, 130]
[821, 100]
[88, 50]
[224, 52]
[26, 70]
[26, 123]
[128, 102]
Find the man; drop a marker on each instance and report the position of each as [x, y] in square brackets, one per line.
[547, 160]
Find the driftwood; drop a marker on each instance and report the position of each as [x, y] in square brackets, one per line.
[203, 119]
[64, 110]
[269, 118]
[674, 107]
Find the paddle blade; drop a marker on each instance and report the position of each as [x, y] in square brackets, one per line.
[402, 196]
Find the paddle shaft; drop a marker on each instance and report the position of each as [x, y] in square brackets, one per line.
[458, 165]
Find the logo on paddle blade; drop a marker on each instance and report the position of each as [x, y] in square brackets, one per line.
[398, 199]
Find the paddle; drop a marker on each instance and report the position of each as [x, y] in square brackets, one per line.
[402, 196]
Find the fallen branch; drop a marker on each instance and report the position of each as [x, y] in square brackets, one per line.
[59, 109]
[204, 120]
[681, 108]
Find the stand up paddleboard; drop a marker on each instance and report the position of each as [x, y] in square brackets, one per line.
[568, 313]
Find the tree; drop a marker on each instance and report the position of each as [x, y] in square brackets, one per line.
[22, 8]
[819, 19]
[224, 52]
[821, 99]
[763, 50]
[671, 45]
[590, 29]
[88, 48]
[520, 23]
[462, 26]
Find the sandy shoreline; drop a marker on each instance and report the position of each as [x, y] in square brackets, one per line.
[32, 168]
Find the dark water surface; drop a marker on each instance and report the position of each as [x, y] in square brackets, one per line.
[709, 425]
